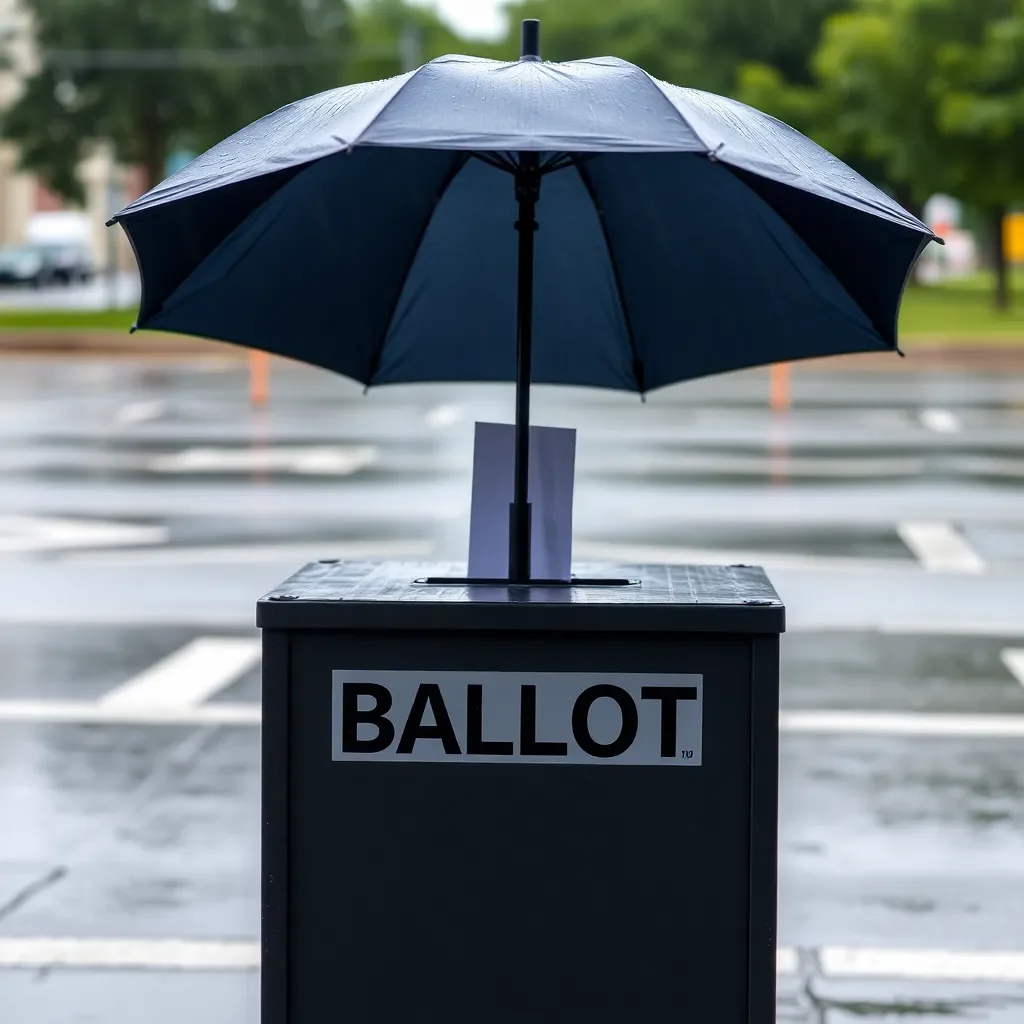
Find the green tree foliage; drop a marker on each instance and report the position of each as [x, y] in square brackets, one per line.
[152, 75]
[393, 37]
[980, 112]
[698, 43]
[929, 91]
[307, 46]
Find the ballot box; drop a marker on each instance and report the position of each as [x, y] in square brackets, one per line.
[487, 805]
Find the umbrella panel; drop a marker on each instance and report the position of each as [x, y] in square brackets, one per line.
[650, 269]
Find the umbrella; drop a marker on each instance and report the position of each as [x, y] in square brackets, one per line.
[633, 233]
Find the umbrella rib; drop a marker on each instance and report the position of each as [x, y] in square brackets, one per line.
[499, 162]
[638, 365]
[453, 172]
[903, 291]
[556, 162]
[560, 161]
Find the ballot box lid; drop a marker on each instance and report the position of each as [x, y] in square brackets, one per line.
[387, 596]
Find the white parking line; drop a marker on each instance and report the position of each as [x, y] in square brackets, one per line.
[787, 961]
[910, 723]
[318, 461]
[202, 955]
[939, 547]
[922, 965]
[1013, 659]
[798, 623]
[942, 421]
[144, 954]
[66, 712]
[249, 714]
[141, 412]
[28, 534]
[444, 416]
[187, 678]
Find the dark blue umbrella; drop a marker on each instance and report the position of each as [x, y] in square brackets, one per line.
[369, 230]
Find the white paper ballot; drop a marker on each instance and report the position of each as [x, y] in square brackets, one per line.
[552, 477]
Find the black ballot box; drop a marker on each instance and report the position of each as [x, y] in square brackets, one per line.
[490, 805]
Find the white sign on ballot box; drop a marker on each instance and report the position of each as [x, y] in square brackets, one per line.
[552, 474]
[518, 717]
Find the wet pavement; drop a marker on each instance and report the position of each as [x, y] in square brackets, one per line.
[144, 507]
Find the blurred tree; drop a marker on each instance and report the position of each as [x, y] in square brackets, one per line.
[306, 47]
[981, 111]
[823, 114]
[929, 91]
[394, 36]
[646, 32]
[698, 43]
[151, 75]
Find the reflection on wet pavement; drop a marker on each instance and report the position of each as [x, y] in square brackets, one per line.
[897, 844]
[848, 1003]
[166, 840]
[899, 673]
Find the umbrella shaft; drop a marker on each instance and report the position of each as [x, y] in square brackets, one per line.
[527, 194]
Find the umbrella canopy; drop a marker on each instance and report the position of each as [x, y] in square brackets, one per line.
[369, 230]
[660, 234]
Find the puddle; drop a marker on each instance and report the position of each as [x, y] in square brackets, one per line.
[898, 673]
[897, 1011]
[935, 1002]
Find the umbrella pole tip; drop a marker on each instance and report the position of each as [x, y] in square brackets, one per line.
[531, 39]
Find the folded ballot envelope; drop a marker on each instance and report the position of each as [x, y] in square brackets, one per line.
[552, 478]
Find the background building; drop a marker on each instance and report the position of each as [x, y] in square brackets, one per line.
[22, 194]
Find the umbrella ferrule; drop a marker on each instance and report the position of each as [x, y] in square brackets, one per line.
[531, 40]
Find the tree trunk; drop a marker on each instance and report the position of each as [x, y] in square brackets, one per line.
[154, 148]
[906, 198]
[1002, 297]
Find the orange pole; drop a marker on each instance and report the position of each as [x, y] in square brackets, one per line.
[259, 378]
[779, 393]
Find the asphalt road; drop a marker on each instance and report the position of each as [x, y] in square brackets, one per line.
[144, 508]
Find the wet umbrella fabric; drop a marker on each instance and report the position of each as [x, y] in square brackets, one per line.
[369, 230]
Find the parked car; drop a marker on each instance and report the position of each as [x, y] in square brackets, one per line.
[45, 264]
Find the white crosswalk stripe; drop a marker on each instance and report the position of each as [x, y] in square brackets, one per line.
[941, 421]
[1013, 659]
[922, 965]
[205, 955]
[33, 534]
[887, 723]
[141, 412]
[185, 679]
[144, 954]
[444, 416]
[248, 713]
[316, 461]
[66, 712]
[940, 548]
